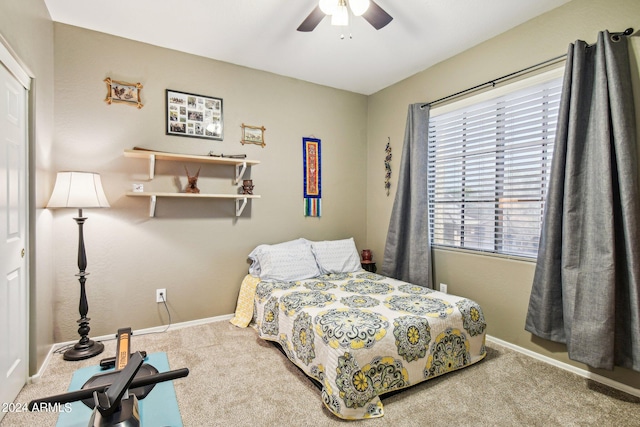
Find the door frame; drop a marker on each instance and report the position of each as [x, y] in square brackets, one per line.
[11, 63]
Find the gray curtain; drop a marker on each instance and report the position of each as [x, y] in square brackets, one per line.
[407, 252]
[587, 277]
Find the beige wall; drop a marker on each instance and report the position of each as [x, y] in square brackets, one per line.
[27, 29]
[196, 249]
[500, 285]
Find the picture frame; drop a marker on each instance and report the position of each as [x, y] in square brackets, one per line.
[123, 92]
[253, 135]
[194, 116]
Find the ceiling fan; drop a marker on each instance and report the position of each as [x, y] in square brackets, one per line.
[337, 9]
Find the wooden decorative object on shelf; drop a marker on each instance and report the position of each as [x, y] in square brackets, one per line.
[192, 184]
[247, 186]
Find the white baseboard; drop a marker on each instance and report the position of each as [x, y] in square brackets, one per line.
[35, 378]
[578, 371]
[156, 329]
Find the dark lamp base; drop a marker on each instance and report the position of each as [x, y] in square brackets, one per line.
[84, 351]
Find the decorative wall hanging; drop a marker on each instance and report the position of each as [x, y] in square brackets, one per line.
[253, 135]
[387, 166]
[312, 176]
[126, 93]
[196, 116]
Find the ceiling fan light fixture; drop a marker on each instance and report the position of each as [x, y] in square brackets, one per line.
[328, 7]
[358, 7]
[340, 16]
[339, 10]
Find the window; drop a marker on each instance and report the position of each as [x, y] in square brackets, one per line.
[489, 164]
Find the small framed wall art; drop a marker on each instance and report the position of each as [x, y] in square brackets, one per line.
[253, 135]
[192, 115]
[126, 93]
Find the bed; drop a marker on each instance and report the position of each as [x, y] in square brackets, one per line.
[359, 334]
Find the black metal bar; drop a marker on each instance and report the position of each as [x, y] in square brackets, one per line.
[87, 393]
[494, 81]
[626, 32]
[108, 401]
[616, 36]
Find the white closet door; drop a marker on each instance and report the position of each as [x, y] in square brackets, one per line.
[14, 364]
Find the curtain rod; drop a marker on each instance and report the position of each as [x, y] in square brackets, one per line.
[493, 82]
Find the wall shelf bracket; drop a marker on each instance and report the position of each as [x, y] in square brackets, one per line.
[152, 206]
[152, 166]
[240, 199]
[240, 204]
[240, 169]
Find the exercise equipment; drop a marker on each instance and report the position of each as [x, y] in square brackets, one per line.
[123, 352]
[114, 395]
[115, 406]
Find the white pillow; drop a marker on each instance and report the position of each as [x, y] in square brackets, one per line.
[336, 256]
[254, 256]
[288, 261]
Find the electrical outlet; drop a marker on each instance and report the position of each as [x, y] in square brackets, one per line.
[443, 288]
[160, 293]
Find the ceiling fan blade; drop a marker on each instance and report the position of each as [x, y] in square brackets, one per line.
[376, 16]
[312, 21]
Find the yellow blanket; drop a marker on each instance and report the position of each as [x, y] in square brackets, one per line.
[244, 308]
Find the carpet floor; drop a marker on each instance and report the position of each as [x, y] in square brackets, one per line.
[236, 379]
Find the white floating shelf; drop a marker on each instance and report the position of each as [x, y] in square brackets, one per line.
[152, 156]
[241, 199]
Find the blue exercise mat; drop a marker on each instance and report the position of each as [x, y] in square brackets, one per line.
[159, 408]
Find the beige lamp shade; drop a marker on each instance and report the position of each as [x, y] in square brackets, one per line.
[78, 190]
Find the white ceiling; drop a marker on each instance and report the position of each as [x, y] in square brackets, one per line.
[262, 34]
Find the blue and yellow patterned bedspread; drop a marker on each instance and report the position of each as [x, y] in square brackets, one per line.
[362, 334]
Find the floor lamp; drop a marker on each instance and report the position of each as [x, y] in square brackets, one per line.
[80, 190]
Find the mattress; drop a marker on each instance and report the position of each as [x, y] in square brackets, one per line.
[362, 334]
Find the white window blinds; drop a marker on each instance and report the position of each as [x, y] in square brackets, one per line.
[489, 165]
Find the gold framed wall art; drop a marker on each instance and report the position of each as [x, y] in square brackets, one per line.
[123, 92]
[253, 135]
